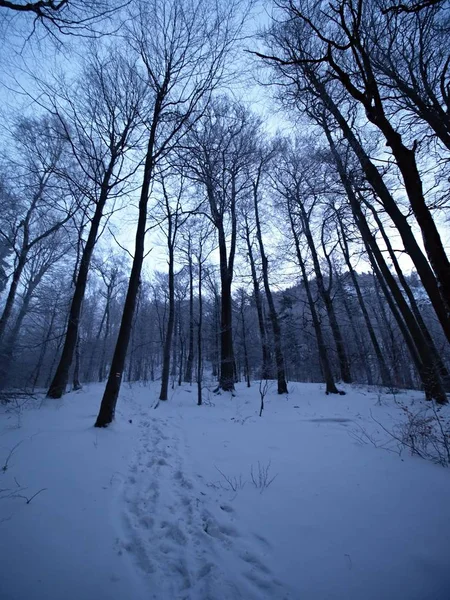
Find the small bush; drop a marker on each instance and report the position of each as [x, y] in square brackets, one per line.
[231, 483]
[425, 433]
[261, 478]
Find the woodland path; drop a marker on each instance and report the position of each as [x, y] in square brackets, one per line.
[182, 532]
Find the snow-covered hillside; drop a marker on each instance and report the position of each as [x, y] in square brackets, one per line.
[162, 504]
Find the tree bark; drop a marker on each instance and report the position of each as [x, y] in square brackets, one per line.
[111, 394]
[344, 366]
[76, 371]
[7, 349]
[279, 359]
[7, 310]
[321, 346]
[265, 369]
[61, 377]
[226, 378]
[412, 301]
[382, 365]
[358, 338]
[244, 343]
[199, 334]
[190, 356]
[376, 181]
[413, 336]
[226, 381]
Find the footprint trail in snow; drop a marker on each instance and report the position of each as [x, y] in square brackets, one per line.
[180, 533]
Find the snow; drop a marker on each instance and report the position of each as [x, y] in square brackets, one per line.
[146, 509]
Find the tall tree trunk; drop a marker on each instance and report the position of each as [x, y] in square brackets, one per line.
[95, 349]
[102, 364]
[170, 320]
[226, 381]
[244, 343]
[199, 334]
[411, 332]
[76, 370]
[279, 359]
[265, 370]
[344, 366]
[376, 181]
[7, 349]
[226, 376]
[44, 346]
[321, 346]
[61, 377]
[406, 162]
[216, 337]
[190, 356]
[360, 342]
[22, 258]
[412, 301]
[430, 376]
[174, 351]
[7, 310]
[391, 338]
[111, 394]
[382, 365]
[182, 351]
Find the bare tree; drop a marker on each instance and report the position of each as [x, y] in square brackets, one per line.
[201, 250]
[242, 297]
[43, 202]
[343, 242]
[265, 158]
[173, 219]
[297, 60]
[300, 180]
[181, 46]
[43, 257]
[190, 264]
[66, 17]
[219, 149]
[248, 235]
[412, 334]
[409, 52]
[335, 41]
[101, 120]
[288, 185]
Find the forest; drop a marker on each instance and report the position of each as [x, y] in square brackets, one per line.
[211, 196]
[313, 255]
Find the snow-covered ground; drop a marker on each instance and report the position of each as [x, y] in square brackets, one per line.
[162, 505]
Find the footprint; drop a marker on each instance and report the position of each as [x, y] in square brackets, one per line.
[137, 549]
[229, 531]
[221, 532]
[165, 549]
[178, 475]
[181, 568]
[262, 584]
[262, 539]
[253, 560]
[147, 522]
[174, 533]
[205, 570]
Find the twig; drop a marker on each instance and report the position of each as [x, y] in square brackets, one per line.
[262, 481]
[8, 458]
[33, 496]
[233, 482]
